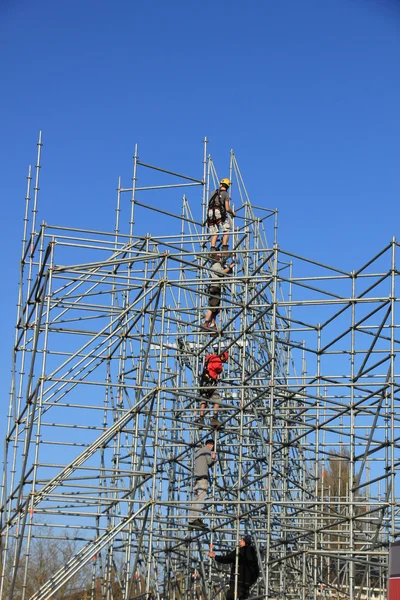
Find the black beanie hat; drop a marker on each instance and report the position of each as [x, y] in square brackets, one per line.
[248, 540]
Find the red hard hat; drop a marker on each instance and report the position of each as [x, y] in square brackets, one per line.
[224, 356]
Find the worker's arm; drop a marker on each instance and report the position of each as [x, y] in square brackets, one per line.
[228, 208]
[228, 558]
[229, 268]
[211, 458]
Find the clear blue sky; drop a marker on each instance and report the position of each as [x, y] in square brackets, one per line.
[307, 92]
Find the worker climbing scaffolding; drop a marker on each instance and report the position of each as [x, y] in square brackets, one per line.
[248, 569]
[204, 459]
[217, 215]
[218, 272]
[213, 367]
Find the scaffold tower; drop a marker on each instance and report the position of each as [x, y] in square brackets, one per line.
[109, 347]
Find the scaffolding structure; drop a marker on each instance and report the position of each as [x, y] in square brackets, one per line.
[101, 430]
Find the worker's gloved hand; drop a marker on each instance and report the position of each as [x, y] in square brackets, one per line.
[211, 554]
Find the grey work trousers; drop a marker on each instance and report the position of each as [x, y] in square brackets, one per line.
[200, 494]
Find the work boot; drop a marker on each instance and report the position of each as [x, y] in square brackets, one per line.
[211, 329]
[213, 251]
[225, 252]
[215, 423]
[198, 524]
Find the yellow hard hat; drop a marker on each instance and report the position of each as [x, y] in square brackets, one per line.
[225, 182]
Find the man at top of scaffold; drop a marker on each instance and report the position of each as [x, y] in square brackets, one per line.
[217, 215]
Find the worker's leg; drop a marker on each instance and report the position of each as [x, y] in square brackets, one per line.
[203, 406]
[216, 399]
[210, 312]
[209, 316]
[200, 419]
[226, 227]
[214, 301]
[214, 231]
[200, 494]
[242, 594]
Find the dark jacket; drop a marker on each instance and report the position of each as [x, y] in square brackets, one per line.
[248, 566]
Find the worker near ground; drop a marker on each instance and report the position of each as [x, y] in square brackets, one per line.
[213, 367]
[217, 215]
[218, 272]
[204, 459]
[248, 569]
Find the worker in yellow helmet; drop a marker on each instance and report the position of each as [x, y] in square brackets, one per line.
[217, 215]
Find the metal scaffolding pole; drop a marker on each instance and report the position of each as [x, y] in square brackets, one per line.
[101, 435]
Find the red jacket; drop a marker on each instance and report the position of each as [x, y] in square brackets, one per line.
[215, 364]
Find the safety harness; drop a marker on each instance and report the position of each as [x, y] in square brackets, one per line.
[215, 203]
